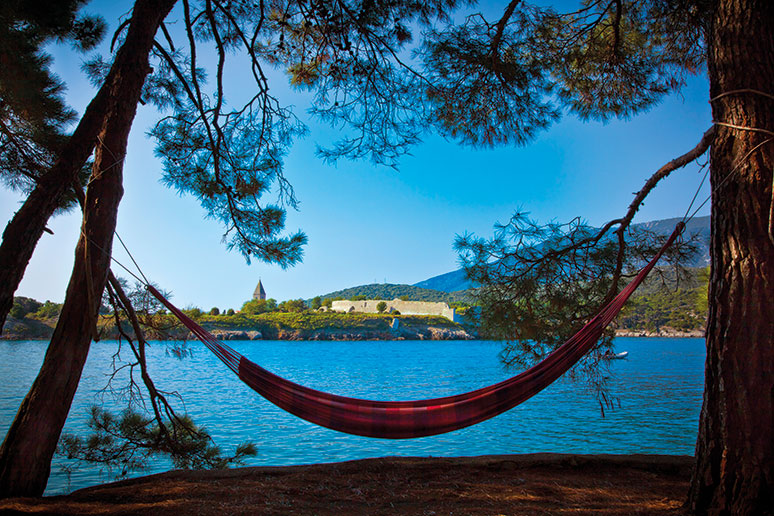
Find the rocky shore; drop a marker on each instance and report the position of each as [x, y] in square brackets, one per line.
[408, 329]
[28, 329]
[669, 333]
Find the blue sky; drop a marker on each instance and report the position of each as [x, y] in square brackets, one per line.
[370, 224]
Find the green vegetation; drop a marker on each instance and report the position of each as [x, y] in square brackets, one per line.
[292, 305]
[258, 306]
[26, 307]
[659, 303]
[390, 291]
[126, 443]
[663, 303]
[22, 306]
[270, 322]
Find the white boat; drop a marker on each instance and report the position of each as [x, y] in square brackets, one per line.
[614, 356]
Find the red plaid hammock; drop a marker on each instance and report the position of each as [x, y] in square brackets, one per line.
[419, 418]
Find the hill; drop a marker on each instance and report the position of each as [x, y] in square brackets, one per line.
[700, 226]
[390, 291]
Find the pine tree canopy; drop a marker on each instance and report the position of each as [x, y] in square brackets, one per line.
[33, 115]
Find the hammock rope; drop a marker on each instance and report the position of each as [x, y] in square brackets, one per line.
[416, 418]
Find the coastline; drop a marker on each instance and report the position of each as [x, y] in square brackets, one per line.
[668, 333]
[376, 328]
[542, 483]
[415, 331]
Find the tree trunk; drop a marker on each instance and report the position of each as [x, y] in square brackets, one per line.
[25, 456]
[734, 471]
[22, 233]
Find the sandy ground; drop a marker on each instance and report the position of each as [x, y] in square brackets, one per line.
[489, 485]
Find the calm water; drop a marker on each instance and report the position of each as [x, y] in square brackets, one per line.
[659, 387]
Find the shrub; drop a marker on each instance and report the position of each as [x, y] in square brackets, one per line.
[193, 313]
[381, 306]
[48, 310]
[23, 306]
[214, 311]
[259, 306]
[292, 305]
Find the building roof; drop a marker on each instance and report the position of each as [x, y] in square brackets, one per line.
[259, 292]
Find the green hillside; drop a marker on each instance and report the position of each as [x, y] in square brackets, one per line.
[662, 302]
[390, 291]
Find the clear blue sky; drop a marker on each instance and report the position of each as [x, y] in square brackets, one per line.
[371, 224]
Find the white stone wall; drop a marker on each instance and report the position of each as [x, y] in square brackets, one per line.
[404, 307]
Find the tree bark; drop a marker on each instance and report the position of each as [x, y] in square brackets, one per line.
[734, 472]
[25, 456]
[22, 233]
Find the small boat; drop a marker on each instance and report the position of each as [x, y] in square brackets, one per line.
[609, 355]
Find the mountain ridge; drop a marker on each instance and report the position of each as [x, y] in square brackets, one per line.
[456, 280]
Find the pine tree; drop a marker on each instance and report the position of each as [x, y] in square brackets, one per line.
[502, 81]
[226, 156]
[482, 82]
[33, 115]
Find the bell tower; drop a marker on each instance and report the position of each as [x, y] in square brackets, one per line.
[259, 292]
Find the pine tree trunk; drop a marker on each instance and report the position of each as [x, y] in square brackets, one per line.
[25, 456]
[22, 233]
[735, 449]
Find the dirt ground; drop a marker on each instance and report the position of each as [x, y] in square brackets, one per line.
[489, 485]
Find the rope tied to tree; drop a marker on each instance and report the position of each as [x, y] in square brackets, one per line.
[757, 130]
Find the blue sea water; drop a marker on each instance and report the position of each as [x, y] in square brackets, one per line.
[659, 388]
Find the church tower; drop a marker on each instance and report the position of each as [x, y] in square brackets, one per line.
[259, 293]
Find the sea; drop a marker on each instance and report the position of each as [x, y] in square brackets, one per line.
[656, 393]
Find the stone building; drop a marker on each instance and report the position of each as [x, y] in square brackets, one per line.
[259, 292]
[396, 305]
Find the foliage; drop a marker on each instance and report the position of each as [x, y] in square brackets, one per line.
[309, 321]
[23, 306]
[502, 81]
[292, 305]
[381, 306]
[193, 312]
[676, 310]
[258, 306]
[214, 311]
[47, 310]
[391, 291]
[702, 294]
[33, 114]
[668, 304]
[316, 303]
[541, 283]
[127, 443]
[226, 146]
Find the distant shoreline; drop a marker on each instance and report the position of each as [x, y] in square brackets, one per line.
[668, 333]
[384, 337]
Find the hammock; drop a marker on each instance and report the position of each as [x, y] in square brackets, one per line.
[418, 418]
